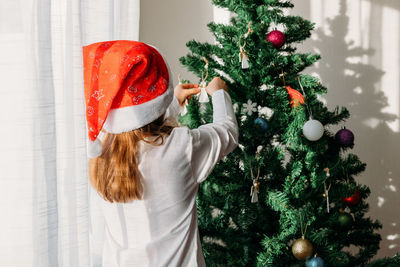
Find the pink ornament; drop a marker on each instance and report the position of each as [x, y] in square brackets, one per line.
[276, 38]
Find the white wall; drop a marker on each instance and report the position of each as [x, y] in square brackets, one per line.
[170, 24]
[359, 41]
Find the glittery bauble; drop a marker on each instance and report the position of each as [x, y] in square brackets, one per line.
[353, 200]
[302, 248]
[261, 124]
[276, 38]
[344, 138]
[315, 262]
[313, 130]
[345, 220]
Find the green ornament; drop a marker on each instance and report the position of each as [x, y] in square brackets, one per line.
[345, 220]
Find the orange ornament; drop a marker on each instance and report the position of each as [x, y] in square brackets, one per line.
[295, 97]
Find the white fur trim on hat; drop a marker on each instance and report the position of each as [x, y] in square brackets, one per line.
[129, 118]
[133, 117]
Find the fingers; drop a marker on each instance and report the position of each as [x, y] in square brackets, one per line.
[189, 85]
[193, 91]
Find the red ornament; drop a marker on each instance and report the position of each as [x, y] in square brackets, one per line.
[353, 200]
[295, 97]
[276, 38]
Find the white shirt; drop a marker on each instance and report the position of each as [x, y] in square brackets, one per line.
[161, 229]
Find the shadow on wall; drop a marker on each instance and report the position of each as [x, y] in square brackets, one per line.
[357, 86]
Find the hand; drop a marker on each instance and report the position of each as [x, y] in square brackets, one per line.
[185, 90]
[216, 84]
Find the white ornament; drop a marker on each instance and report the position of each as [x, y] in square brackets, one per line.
[250, 107]
[245, 62]
[254, 191]
[327, 197]
[313, 130]
[244, 58]
[255, 188]
[203, 97]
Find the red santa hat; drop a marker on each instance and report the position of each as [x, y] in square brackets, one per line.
[127, 85]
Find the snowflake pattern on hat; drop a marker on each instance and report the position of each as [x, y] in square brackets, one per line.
[90, 111]
[98, 94]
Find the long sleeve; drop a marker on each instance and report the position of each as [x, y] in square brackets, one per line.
[173, 109]
[212, 141]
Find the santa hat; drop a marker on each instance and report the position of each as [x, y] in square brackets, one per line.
[127, 85]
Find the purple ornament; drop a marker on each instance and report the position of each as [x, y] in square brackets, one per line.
[276, 38]
[344, 138]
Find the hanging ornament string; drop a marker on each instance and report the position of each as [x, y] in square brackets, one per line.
[303, 233]
[280, 75]
[250, 30]
[283, 78]
[326, 190]
[255, 188]
[203, 98]
[304, 95]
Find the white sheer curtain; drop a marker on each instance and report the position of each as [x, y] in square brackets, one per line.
[44, 203]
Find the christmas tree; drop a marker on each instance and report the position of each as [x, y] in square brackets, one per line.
[287, 196]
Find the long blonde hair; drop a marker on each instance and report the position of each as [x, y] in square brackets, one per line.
[115, 174]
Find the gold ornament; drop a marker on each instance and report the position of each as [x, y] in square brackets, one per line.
[302, 248]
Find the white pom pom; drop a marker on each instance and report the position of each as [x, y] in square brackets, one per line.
[203, 98]
[94, 148]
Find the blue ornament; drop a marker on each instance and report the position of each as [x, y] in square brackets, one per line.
[261, 124]
[315, 262]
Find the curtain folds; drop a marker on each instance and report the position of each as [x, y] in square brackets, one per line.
[49, 211]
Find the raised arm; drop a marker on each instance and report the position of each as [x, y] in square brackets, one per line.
[213, 141]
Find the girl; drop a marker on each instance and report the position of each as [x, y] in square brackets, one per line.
[147, 168]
